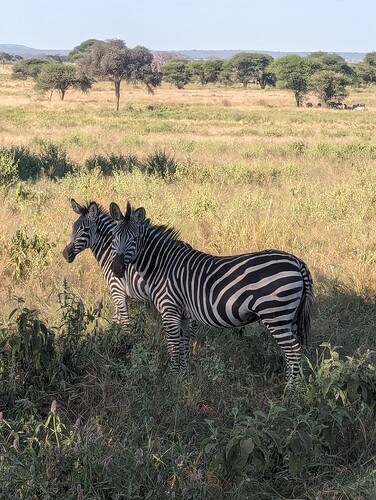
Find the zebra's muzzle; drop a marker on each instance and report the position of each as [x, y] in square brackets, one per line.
[68, 253]
[118, 266]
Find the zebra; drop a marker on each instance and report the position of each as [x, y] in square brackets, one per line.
[271, 285]
[94, 229]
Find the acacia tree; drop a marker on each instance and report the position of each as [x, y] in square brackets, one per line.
[113, 60]
[27, 68]
[244, 66]
[294, 72]
[4, 56]
[325, 61]
[142, 69]
[61, 77]
[206, 71]
[82, 49]
[329, 85]
[177, 73]
[366, 70]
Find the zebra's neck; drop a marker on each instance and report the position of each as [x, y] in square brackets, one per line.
[101, 248]
[158, 246]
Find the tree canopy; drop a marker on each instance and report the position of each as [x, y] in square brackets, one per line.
[329, 85]
[177, 73]
[113, 60]
[206, 71]
[28, 68]
[294, 73]
[61, 77]
[81, 49]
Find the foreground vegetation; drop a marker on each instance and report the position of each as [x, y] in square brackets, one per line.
[90, 411]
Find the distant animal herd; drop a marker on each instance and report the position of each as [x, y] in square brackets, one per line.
[339, 105]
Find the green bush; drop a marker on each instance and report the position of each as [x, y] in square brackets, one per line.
[160, 164]
[315, 425]
[113, 163]
[28, 252]
[8, 169]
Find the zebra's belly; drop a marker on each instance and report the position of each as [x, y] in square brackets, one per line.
[224, 318]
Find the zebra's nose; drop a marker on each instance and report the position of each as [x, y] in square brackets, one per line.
[68, 253]
[118, 267]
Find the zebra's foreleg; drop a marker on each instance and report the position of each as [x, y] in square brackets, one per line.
[121, 315]
[174, 328]
[185, 337]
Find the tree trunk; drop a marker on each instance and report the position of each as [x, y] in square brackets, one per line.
[117, 95]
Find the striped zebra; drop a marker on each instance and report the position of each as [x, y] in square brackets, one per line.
[272, 286]
[94, 229]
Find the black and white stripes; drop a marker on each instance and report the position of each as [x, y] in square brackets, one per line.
[94, 229]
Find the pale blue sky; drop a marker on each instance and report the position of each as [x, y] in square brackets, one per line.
[280, 25]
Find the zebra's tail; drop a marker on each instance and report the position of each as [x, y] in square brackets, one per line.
[304, 314]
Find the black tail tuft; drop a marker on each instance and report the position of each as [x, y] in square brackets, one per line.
[305, 310]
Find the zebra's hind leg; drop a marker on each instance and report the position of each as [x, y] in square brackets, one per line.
[188, 332]
[290, 347]
[174, 327]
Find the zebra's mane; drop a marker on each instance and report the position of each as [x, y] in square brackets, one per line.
[164, 231]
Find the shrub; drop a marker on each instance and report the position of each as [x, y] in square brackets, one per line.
[319, 418]
[113, 163]
[8, 169]
[54, 161]
[160, 164]
[28, 251]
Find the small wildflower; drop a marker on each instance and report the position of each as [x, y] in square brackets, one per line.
[106, 462]
[138, 454]
[200, 474]
[53, 406]
[173, 494]
[78, 422]
[80, 492]
[16, 443]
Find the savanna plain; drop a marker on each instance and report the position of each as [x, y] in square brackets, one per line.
[91, 411]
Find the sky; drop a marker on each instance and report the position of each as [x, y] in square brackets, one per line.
[275, 25]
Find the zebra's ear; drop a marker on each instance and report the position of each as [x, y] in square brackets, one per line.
[128, 212]
[115, 211]
[77, 208]
[93, 210]
[139, 215]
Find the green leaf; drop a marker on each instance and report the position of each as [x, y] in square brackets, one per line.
[295, 444]
[296, 463]
[246, 446]
[306, 439]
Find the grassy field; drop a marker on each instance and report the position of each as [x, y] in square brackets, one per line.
[249, 171]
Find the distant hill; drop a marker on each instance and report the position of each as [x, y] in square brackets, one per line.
[22, 50]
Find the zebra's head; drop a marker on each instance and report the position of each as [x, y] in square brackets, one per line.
[126, 239]
[83, 231]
